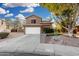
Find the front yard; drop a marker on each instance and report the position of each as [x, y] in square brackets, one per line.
[62, 40]
[58, 39]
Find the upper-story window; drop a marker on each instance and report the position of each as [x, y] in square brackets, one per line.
[33, 21]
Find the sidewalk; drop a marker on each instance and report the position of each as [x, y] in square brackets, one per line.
[57, 50]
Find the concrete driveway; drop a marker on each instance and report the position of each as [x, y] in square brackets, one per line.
[30, 45]
[24, 43]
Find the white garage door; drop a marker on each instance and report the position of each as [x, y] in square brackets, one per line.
[32, 30]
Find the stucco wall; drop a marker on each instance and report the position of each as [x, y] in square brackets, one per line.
[28, 19]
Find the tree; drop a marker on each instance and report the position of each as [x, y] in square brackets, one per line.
[16, 23]
[9, 23]
[66, 14]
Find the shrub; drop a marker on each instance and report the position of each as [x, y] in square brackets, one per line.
[3, 35]
[48, 30]
[20, 30]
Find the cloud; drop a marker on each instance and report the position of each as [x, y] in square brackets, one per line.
[30, 6]
[9, 15]
[7, 11]
[2, 11]
[48, 17]
[20, 16]
[21, 4]
[28, 10]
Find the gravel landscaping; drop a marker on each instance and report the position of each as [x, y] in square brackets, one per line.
[62, 40]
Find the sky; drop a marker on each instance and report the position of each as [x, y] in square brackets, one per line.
[22, 10]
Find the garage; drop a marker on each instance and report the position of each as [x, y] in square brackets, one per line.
[32, 30]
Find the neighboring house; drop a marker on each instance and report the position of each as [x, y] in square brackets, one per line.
[2, 25]
[76, 30]
[35, 25]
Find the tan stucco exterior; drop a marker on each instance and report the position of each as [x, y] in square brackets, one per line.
[39, 22]
[2, 25]
[28, 19]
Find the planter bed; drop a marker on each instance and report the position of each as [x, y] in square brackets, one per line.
[53, 34]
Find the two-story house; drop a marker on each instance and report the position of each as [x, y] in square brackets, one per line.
[35, 25]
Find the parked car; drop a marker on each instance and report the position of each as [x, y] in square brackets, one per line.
[14, 30]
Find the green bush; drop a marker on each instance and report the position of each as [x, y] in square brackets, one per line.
[48, 30]
[3, 35]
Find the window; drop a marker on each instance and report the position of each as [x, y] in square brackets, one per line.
[33, 21]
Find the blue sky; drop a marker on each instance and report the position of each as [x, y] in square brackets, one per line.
[13, 10]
